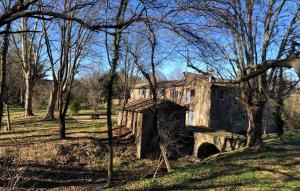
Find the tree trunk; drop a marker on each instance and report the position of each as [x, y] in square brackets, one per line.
[280, 105]
[4, 50]
[293, 106]
[28, 95]
[21, 96]
[255, 115]
[8, 128]
[113, 68]
[62, 126]
[51, 105]
[279, 120]
[109, 128]
[61, 117]
[125, 101]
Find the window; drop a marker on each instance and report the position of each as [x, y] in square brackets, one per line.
[188, 96]
[175, 94]
[191, 118]
[162, 92]
[143, 93]
[192, 92]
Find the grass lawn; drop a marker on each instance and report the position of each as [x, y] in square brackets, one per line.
[33, 151]
[276, 166]
[77, 163]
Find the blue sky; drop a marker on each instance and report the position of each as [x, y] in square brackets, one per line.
[168, 45]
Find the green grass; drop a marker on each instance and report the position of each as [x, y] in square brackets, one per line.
[81, 158]
[276, 166]
[33, 134]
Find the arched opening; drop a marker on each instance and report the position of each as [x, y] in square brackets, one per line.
[207, 149]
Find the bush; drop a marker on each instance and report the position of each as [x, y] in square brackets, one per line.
[75, 105]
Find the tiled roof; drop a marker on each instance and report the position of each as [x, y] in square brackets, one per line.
[173, 83]
[199, 76]
[144, 103]
[162, 84]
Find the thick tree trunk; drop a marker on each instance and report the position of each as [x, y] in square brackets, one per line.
[279, 120]
[61, 117]
[253, 101]
[62, 126]
[4, 50]
[28, 95]
[255, 115]
[62, 111]
[27, 71]
[51, 105]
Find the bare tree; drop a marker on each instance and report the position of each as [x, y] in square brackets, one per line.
[245, 29]
[30, 59]
[90, 81]
[117, 35]
[53, 96]
[73, 47]
[28, 8]
[3, 68]
[149, 72]
[128, 77]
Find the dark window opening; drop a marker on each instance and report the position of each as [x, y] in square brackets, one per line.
[143, 93]
[244, 116]
[162, 92]
[221, 95]
[175, 94]
[192, 93]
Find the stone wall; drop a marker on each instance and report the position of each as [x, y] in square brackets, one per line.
[226, 111]
[221, 141]
[171, 120]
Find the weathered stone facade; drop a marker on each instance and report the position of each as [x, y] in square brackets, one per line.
[138, 117]
[209, 105]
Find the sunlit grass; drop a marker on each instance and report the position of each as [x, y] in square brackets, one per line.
[275, 166]
[37, 141]
[272, 167]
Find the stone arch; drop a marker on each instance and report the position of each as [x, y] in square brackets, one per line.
[207, 149]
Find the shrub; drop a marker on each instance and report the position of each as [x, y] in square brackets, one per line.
[75, 105]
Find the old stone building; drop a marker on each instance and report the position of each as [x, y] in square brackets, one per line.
[204, 103]
[209, 104]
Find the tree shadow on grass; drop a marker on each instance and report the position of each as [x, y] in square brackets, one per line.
[268, 161]
[24, 142]
[50, 176]
[187, 187]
